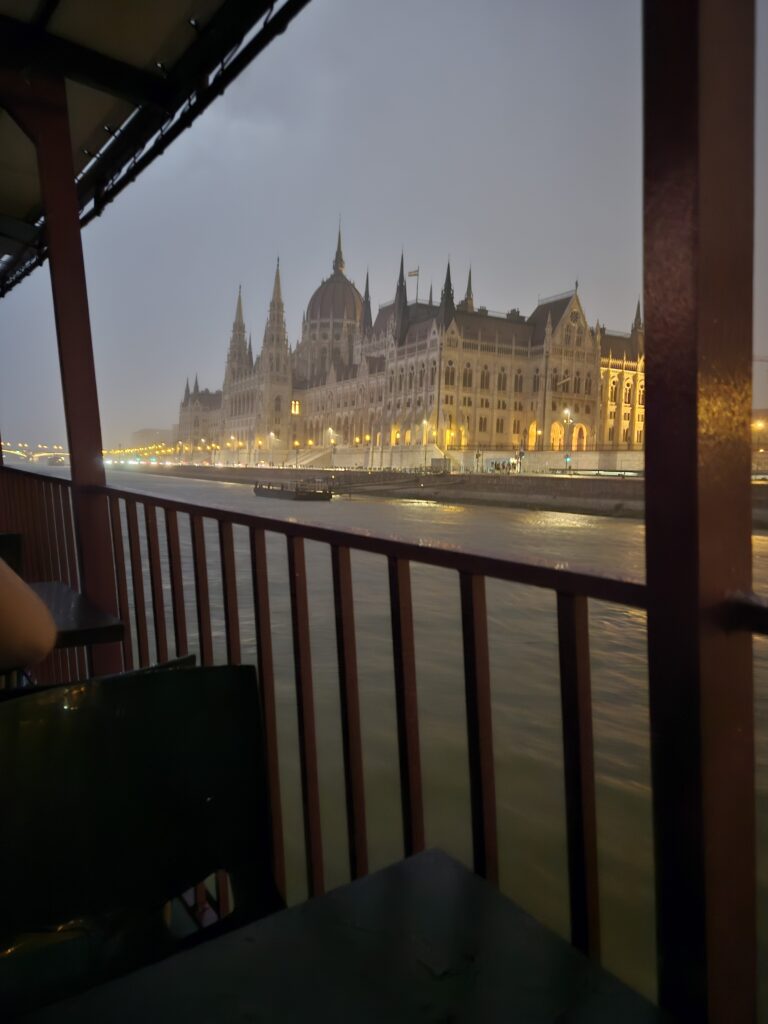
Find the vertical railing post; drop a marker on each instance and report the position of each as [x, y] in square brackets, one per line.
[698, 242]
[350, 710]
[579, 770]
[406, 704]
[39, 107]
[477, 689]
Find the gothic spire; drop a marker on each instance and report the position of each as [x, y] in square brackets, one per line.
[338, 260]
[367, 318]
[239, 310]
[277, 294]
[186, 393]
[250, 350]
[637, 324]
[196, 389]
[447, 307]
[401, 305]
[431, 303]
[469, 302]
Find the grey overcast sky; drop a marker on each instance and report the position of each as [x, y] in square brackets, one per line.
[501, 133]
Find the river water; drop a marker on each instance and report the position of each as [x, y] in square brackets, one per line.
[525, 686]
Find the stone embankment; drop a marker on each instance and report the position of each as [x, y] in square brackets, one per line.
[587, 495]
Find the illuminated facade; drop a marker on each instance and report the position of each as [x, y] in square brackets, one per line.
[447, 374]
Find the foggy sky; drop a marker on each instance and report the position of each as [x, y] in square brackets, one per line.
[502, 134]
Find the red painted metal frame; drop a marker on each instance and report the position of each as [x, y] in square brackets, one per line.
[305, 706]
[477, 681]
[579, 772]
[266, 675]
[39, 107]
[406, 704]
[698, 241]
[352, 744]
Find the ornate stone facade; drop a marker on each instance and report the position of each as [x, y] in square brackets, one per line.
[451, 375]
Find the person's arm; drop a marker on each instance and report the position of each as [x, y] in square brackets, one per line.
[27, 631]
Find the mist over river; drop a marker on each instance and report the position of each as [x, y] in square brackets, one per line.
[526, 701]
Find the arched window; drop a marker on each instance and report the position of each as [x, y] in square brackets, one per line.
[555, 380]
[466, 377]
[391, 382]
[627, 392]
[641, 395]
[485, 379]
[410, 379]
[432, 373]
[577, 384]
[588, 384]
[518, 385]
[579, 337]
[613, 393]
[278, 404]
[421, 376]
[450, 374]
[502, 381]
[568, 336]
[400, 379]
[536, 380]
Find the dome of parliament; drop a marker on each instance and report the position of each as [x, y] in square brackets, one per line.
[336, 298]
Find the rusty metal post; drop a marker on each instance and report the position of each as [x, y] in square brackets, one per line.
[698, 235]
[39, 107]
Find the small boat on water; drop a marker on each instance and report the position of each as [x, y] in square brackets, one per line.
[299, 491]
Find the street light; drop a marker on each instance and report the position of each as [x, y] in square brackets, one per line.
[296, 450]
[567, 421]
[271, 439]
[424, 439]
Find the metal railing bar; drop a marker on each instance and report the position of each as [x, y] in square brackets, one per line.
[748, 612]
[604, 588]
[406, 704]
[69, 528]
[352, 744]
[229, 589]
[305, 706]
[177, 587]
[118, 553]
[201, 590]
[266, 676]
[137, 579]
[477, 683]
[579, 770]
[156, 582]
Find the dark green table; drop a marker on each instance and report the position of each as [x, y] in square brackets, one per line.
[424, 940]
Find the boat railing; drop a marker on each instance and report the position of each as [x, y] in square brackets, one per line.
[150, 572]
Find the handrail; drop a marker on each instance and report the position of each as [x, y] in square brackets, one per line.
[603, 588]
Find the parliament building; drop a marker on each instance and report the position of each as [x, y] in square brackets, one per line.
[451, 375]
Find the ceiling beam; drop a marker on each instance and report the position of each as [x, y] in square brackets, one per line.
[22, 46]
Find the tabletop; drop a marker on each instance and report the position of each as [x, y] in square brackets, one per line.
[79, 622]
[424, 940]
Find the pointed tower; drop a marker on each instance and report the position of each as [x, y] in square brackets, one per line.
[468, 302]
[237, 356]
[401, 306]
[367, 317]
[196, 388]
[250, 350]
[430, 303]
[338, 260]
[637, 334]
[275, 336]
[186, 394]
[447, 309]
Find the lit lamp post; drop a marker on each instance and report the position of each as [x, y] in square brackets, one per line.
[424, 438]
[271, 439]
[296, 452]
[567, 421]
